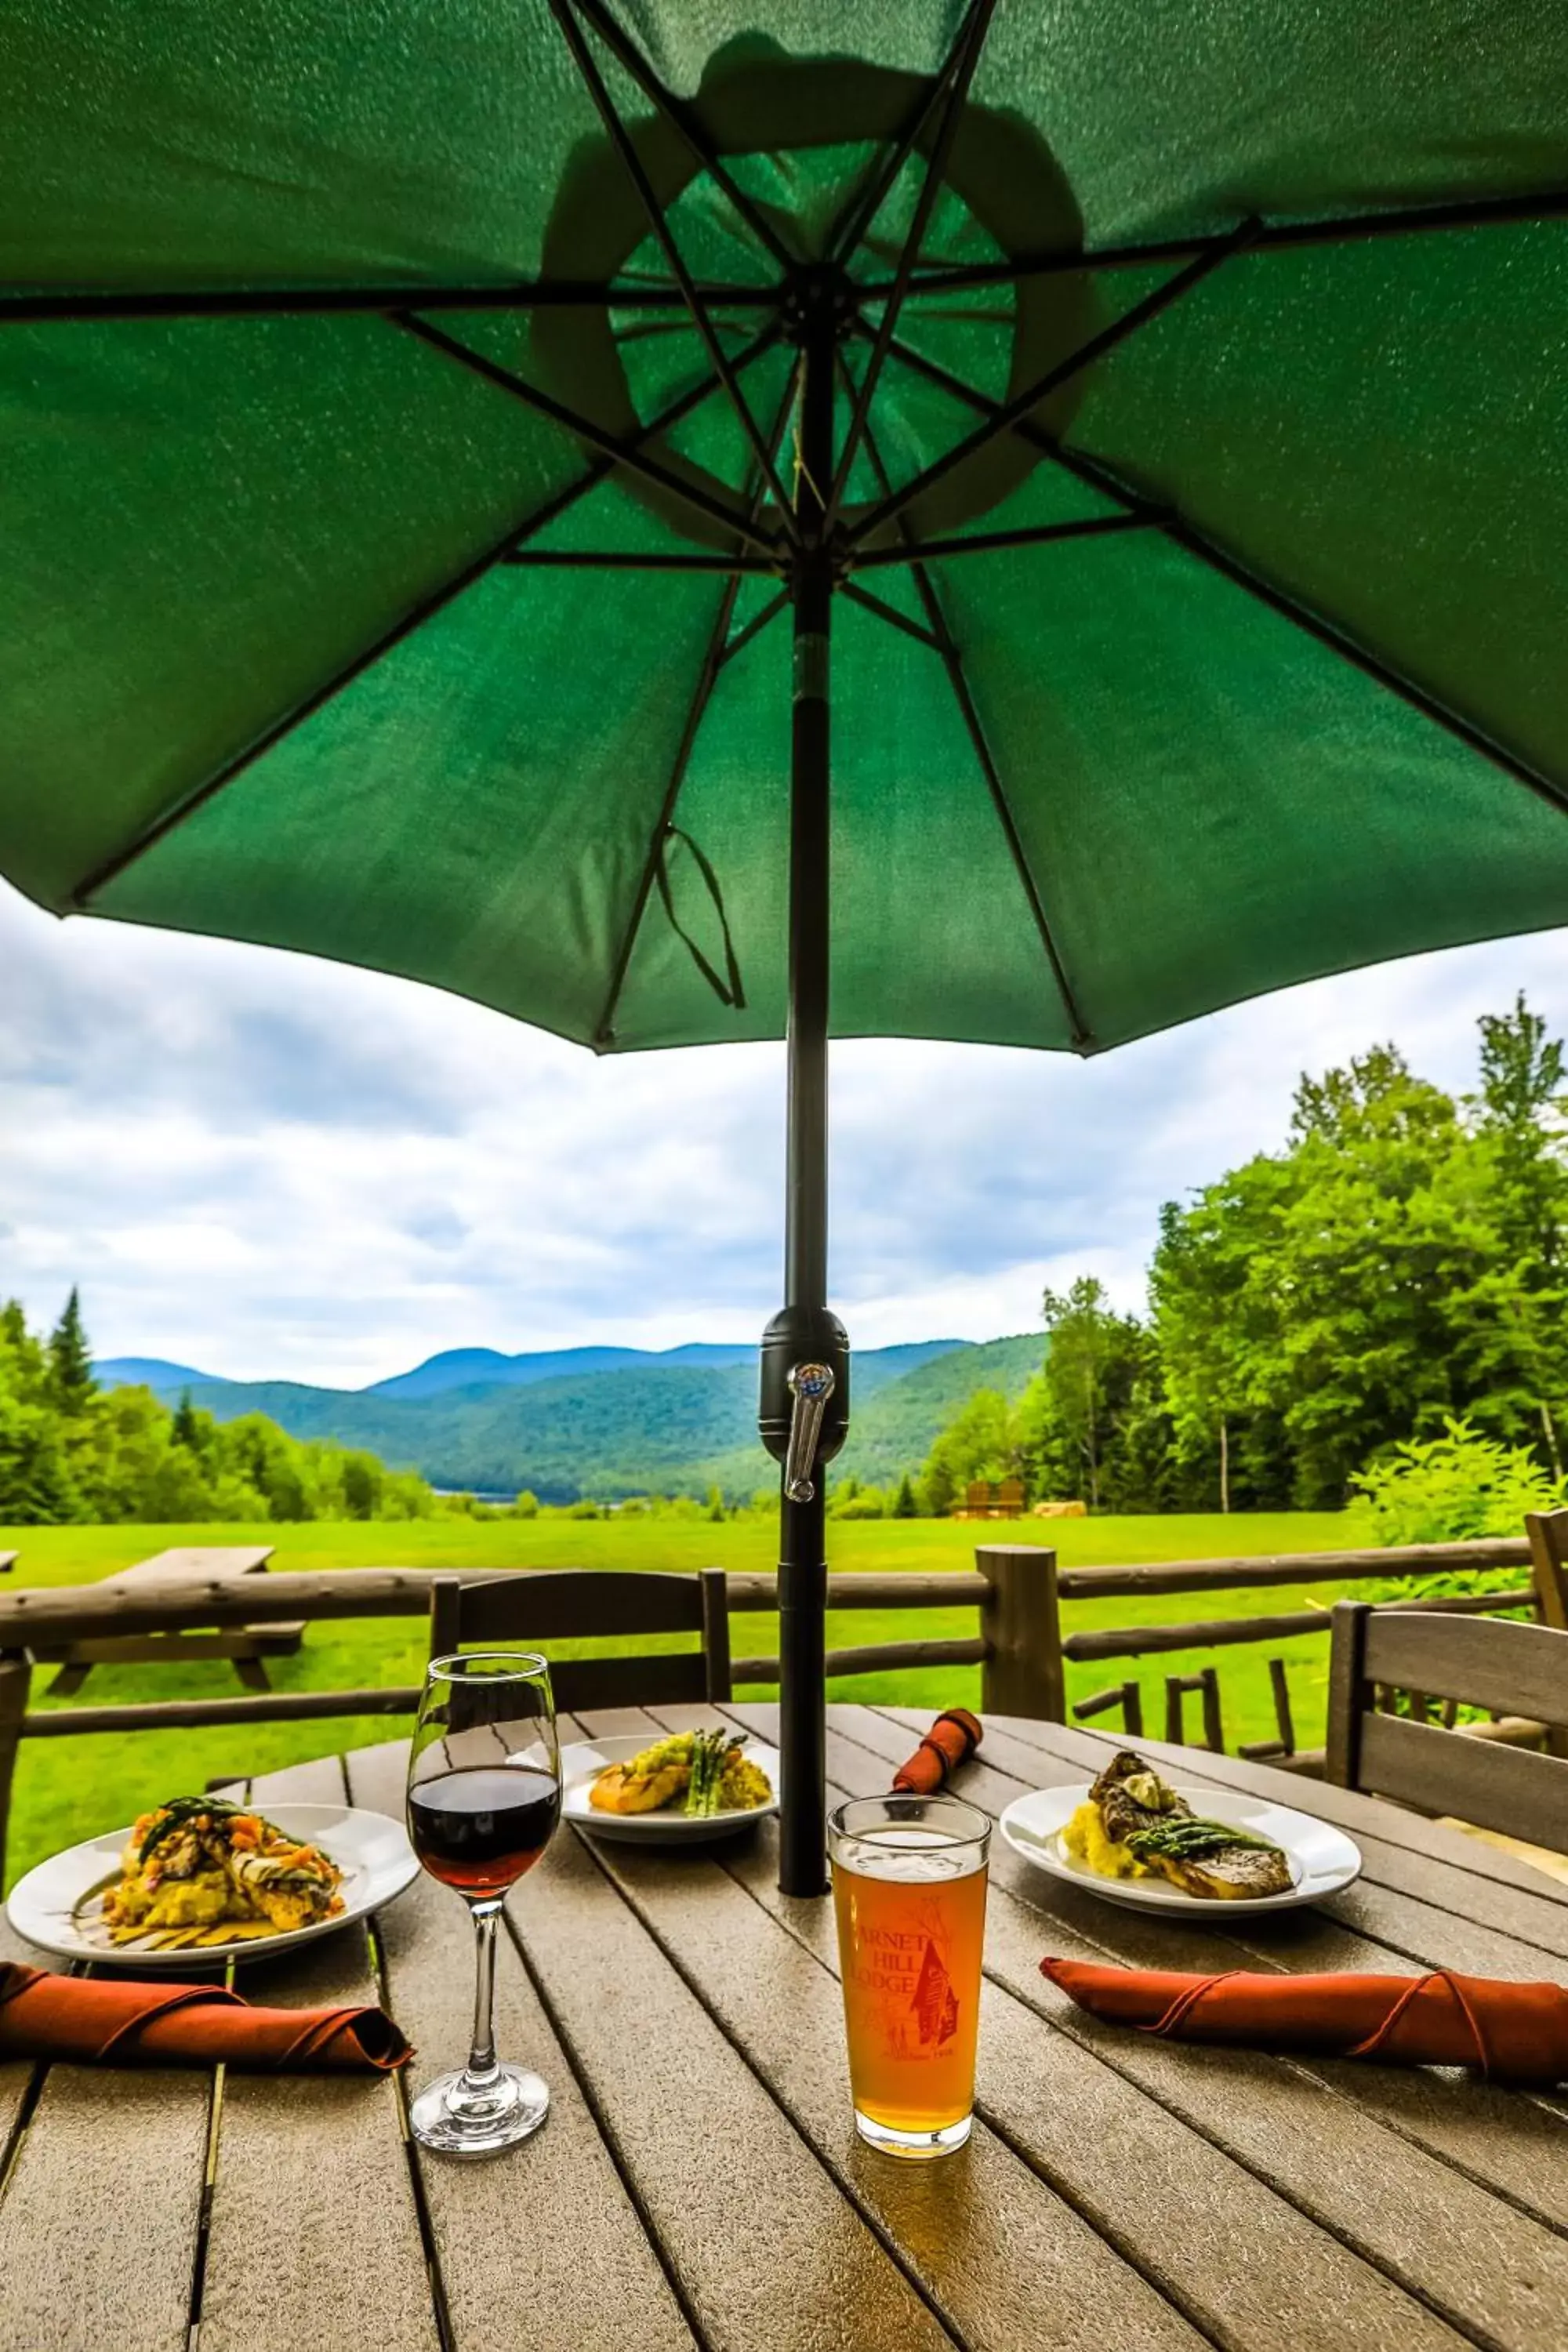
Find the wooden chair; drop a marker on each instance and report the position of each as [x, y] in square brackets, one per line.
[1126, 1696]
[1206, 1683]
[1283, 1745]
[532, 1609]
[1521, 1669]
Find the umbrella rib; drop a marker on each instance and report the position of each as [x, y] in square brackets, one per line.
[846, 241]
[1196, 543]
[756, 624]
[953, 663]
[603, 467]
[596, 435]
[891, 614]
[955, 77]
[631, 559]
[702, 694]
[979, 542]
[425, 609]
[625, 146]
[1280, 237]
[1024, 404]
[39, 307]
[626, 50]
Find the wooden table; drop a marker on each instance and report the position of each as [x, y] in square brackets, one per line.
[699, 2182]
[245, 1646]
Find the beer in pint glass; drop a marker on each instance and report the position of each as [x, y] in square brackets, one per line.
[908, 1887]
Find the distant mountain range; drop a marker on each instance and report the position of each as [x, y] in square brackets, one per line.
[606, 1422]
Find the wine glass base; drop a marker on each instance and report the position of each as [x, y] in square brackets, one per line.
[456, 2120]
[942, 2139]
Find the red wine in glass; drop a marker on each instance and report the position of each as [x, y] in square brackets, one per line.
[484, 1797]
[480, 1828]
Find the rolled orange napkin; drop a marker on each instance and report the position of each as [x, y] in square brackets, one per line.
[1511, 2032]
[953, 1737]
[108, 2021]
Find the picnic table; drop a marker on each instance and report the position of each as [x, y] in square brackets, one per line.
[699, 2182]
[246, 1647]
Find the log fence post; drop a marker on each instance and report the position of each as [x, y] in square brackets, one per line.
[1020, 1622]
[16, 1677]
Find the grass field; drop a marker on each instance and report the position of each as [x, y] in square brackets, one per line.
[67, 1788]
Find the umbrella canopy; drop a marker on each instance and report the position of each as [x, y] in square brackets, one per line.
[439, 449]
[1298, 702]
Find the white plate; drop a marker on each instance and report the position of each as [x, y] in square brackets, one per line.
[57, 1907]
[1323, 1859]
[584, 1760]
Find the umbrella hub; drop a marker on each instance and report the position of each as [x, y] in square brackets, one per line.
[832, 155]
[818, 305]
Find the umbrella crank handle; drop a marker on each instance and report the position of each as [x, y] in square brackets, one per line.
[811, 1386]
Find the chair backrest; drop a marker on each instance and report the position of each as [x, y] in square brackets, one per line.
[536, 1608]
[1548, 1533]
[1521, 1669]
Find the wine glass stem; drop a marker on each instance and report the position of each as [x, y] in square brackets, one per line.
[481, 2072]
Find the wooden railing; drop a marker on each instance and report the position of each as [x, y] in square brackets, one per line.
[1018, 1596]
[1019, 1570]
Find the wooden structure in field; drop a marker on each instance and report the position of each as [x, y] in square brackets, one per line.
[991, 1498]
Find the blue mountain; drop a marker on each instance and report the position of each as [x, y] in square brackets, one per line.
[146, 1372]
[605, 1421]
[473, 1368]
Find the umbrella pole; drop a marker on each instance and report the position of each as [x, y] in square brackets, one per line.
[805, 1367]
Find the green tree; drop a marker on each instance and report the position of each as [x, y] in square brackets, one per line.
[71, 1453]
[1093, 1357]
[71, 1358]
[1510, 1319]
[716, 1510]
[976, 1443]
[904, 1505]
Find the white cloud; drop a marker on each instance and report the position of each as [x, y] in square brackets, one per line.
[263, 1165]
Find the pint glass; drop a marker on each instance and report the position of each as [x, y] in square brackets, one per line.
[908, 1887]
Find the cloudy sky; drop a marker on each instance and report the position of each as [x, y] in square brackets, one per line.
[262, 1165]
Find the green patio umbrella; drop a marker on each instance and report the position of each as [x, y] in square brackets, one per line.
[456, 457]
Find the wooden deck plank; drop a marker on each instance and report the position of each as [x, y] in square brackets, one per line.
[315, 2236]
[1004, 2259]
[1488, 2268]
[1129, 2165]
[594, 2282]
[108, 2161]
[766, 2250]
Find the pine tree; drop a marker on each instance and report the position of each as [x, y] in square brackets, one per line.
[186, 1428]
[904, 1504]
[70, 1359]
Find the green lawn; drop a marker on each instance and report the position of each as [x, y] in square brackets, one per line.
[68, 1789]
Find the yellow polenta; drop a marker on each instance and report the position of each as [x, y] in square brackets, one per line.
[1084, 1836]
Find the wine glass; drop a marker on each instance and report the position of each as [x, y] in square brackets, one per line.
[484, 1797]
